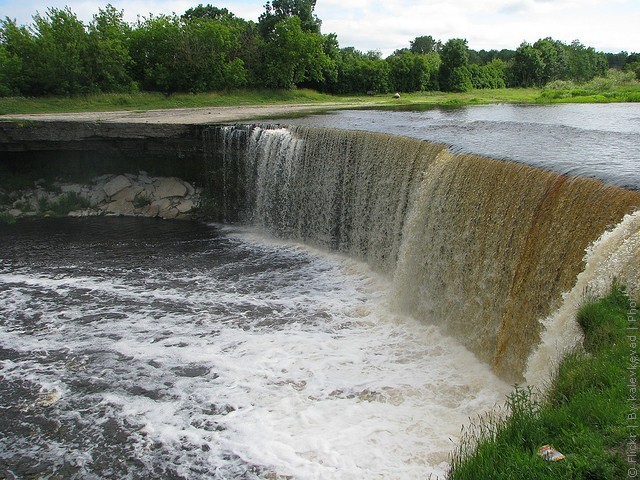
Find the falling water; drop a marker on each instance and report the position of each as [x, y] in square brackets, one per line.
[481, 247]
[402, 278]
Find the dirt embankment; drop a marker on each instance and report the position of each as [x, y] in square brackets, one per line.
[185, 116]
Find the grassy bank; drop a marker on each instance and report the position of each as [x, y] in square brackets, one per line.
[157, 101]
[586, 414]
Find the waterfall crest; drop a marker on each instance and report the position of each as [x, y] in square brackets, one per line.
[482, 247]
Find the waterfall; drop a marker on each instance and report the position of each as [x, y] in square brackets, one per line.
[484, 248]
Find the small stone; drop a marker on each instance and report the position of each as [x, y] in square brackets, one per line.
[96, 197]
[71, 188]
[82, 213]
[169, 187]
[115, 185]
[120, 207]
[104, 178]
[186, 206]
[170, 214]
[144, 178]
[163, 203]
[128, 194]
[151, 211]
[14, 212]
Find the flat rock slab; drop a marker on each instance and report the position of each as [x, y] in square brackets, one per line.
[115, 185]
[169, 187]
[120, 207]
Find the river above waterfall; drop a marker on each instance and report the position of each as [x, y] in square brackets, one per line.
[592, 140]
[137, 348]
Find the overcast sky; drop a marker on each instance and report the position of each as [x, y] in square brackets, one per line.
[607, 25]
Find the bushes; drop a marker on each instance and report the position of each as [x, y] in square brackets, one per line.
[616, 85]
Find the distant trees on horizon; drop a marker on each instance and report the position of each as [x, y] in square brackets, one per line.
[208, 48]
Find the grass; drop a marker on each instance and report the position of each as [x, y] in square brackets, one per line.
[142, 200]
[584, 414]
[156, 101]
[7, 219]
[143, 101]
[68, 202]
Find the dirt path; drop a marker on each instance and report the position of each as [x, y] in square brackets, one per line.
[187, 115]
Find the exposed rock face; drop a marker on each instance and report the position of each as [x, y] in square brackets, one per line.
[169, 187]
[115, 185]
[130, 195]
[120, 207]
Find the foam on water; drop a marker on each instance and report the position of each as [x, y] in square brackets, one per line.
[277, 361]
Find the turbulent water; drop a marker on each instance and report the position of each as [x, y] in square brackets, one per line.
[484, 248]
[146, 349]
[383, 290]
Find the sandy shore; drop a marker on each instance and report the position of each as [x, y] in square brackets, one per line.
[186, 115]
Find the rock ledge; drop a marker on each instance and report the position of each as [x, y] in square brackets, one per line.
[129, 194]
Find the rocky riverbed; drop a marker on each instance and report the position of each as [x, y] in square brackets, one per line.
[130, 195]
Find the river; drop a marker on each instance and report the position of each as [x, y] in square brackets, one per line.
[593, 140]
[135, 348]
[138, 348]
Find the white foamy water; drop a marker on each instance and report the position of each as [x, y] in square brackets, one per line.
[219, 354]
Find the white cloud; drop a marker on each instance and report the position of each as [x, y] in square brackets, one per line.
[487, 24]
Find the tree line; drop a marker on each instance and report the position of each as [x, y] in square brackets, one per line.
[209, 48]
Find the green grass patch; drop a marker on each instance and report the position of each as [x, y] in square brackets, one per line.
[597, 91]
[68, 202]
[7, 219]
[584, 414]
[157, 101]
[142, 200]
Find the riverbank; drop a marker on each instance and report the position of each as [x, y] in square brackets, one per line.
[588, 413]
[254, 104]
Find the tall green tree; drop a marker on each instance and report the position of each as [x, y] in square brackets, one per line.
[454, 69]
[359, 72]
[208, 12]
[410, 72]
[425, 44]
[553, 54]
[617, 60]
[491, 75]
[54, 53]
[171, 54]
[278, 10]
[293, 56]
[15, 42]
[584, 62]
[108, 49]
[10, 72]
[633, 67]
[528, 66]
